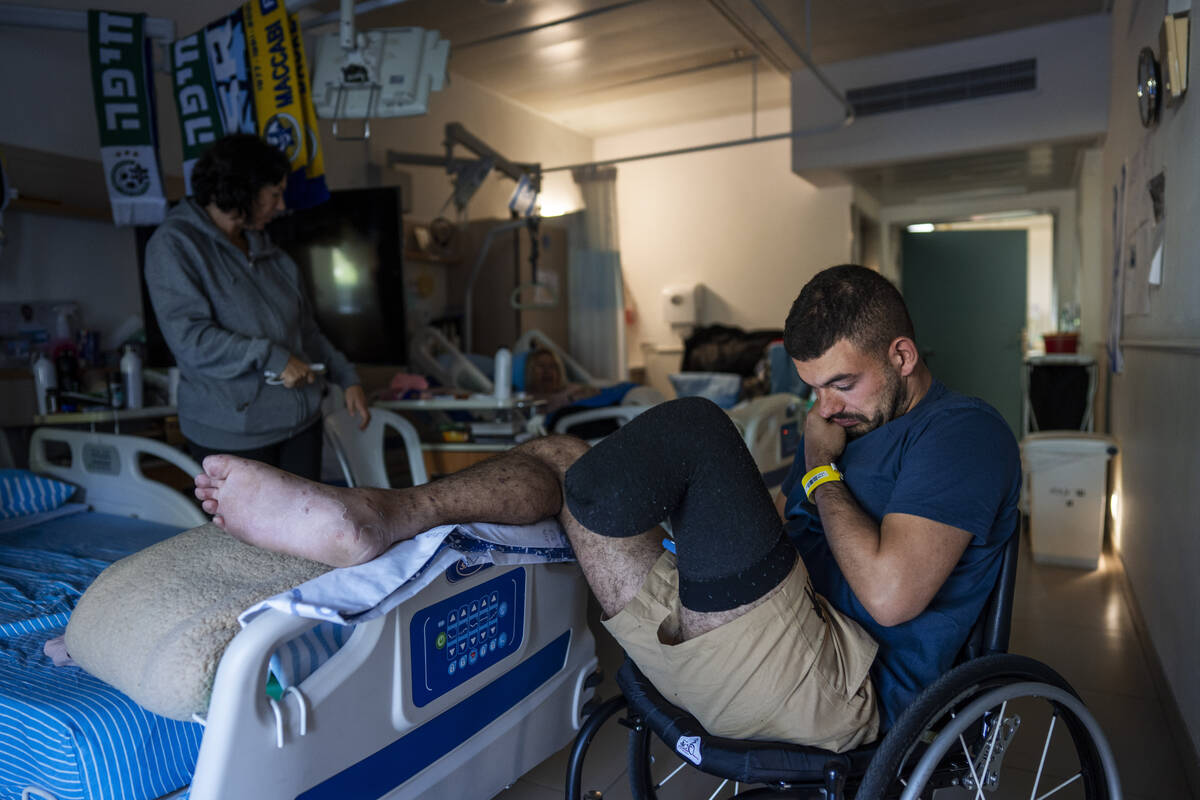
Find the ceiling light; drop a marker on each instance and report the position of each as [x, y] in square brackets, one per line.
[921, 227]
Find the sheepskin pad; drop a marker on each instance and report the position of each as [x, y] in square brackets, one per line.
[156, 623]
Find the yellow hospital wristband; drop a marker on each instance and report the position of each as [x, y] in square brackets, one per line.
[817, 476]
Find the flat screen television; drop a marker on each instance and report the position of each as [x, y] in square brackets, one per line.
[348, 250]
[349, 253]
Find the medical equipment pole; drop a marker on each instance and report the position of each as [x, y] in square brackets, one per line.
[503, 227]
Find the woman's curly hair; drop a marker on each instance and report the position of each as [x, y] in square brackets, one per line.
[232, 171]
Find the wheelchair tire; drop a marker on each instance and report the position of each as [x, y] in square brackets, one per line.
[918, 745]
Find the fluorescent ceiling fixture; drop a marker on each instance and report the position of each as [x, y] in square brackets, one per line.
[921, 227]
[1023, 212]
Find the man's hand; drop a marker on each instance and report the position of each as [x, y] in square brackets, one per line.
[824, 441]
[356, 404]
[296, 372]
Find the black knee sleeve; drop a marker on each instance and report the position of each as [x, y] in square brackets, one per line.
[685, 461]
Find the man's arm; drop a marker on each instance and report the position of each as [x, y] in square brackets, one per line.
[896, 568]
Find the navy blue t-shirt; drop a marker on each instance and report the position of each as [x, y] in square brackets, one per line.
[951, 459]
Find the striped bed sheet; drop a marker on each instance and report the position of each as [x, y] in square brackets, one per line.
[63, 732]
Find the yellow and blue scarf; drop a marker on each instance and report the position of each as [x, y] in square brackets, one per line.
[246, 73]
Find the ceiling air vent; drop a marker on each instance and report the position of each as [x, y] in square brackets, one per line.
[951, 87]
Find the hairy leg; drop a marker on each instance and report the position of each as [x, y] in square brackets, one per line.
[273, 509]
[685, 461]
[614, 568]
[342, 527]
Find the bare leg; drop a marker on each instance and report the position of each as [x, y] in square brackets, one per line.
[342, 527]
[614, 568]
[684, 460]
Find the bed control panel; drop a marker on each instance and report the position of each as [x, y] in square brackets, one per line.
[455, 639]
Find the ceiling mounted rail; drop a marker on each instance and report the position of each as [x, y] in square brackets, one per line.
[847, 108]
[62, 19]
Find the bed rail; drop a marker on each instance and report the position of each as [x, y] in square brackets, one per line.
[106, 466]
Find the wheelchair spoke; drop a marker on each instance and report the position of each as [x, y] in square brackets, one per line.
[718, 791]
[1068, 781]
[991, 748]
[971, 766]
[674, 772]
[1037, 781]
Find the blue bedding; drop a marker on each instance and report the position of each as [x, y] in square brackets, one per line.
[61, 730]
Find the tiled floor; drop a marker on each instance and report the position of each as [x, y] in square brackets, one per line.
[1079, 622]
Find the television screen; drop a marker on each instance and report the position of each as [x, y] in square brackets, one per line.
[349, 253]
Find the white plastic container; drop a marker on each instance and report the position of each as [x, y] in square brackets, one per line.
[131, 376]
[502, 374]
[44, 378]
[1066, 474]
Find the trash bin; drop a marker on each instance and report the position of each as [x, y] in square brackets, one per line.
[1066, 474]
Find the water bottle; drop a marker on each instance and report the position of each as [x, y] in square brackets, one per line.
[502, 375]
[131, 375]
[44, 379]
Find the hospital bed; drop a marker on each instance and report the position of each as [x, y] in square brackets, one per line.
[385, 716]
[770, 425]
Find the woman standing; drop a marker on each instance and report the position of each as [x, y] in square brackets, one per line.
[233, 310]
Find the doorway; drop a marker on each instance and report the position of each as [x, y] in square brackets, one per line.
[966, 292]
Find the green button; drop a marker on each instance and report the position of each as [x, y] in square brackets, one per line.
[441, 641]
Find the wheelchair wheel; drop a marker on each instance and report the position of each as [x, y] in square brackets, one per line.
[1000, 726]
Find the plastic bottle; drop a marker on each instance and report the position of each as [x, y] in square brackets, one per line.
[44, 378]
[131, 375]
[502, 376]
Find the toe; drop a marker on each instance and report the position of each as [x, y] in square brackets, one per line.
[217, 467]
[209, 506]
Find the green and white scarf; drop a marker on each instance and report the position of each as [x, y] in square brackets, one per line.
[125, 112]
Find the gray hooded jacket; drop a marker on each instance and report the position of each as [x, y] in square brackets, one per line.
[227, 319]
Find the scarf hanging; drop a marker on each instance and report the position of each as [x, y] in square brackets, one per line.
[195, 100]
[246, 73]
[125, 112]
[306, 187]
[225, 43]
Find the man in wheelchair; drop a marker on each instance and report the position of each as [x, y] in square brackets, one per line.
[812, 620]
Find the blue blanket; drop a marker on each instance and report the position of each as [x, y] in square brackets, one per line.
[61, 730]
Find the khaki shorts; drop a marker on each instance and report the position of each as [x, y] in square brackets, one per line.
[787, 670]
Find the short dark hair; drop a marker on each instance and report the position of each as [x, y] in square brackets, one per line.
[231, 172]
[846, 302]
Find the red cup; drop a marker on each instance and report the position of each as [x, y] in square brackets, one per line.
[1061, 342]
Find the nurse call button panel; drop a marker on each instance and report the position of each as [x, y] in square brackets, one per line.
[457, 638]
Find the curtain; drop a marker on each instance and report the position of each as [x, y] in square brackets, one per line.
[596, 330]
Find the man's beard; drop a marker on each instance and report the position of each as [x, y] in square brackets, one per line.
[893, 401]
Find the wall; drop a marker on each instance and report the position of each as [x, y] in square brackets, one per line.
[1153, 400]
[735, 219]
[39, 258]
[54, 65]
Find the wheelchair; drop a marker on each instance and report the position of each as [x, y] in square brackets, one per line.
[954, 738]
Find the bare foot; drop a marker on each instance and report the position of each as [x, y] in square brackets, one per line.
[278, 511]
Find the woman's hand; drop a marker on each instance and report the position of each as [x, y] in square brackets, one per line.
[356, 404]
[296, 372]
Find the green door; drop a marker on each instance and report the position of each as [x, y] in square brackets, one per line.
[966, 293]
